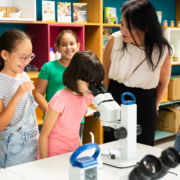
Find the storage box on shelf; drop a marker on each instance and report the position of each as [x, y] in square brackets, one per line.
[28, 8]
[174, 88]
[164, 123]
[168, 119]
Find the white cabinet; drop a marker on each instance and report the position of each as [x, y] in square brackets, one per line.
[28, 8]
[173, 37]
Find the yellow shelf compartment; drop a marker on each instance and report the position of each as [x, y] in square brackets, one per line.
[39, 122]
[39, 114]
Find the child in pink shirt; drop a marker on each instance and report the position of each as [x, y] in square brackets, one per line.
[60, 131]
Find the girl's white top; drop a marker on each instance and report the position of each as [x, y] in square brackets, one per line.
[122, 65]
[8, 87]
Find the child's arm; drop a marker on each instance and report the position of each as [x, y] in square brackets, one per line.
[6, 114]
[49, 121]
[39, 92]
[80, 142]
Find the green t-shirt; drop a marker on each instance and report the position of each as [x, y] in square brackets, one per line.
[53, 72]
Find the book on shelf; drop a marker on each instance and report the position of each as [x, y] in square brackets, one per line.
[48, 11]
[63, 11]
[106, 34]
[79, 12]
[109, 14]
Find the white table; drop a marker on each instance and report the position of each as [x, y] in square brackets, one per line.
[58, 167]
[7, 175]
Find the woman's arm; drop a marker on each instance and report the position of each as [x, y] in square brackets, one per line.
[49, 121]
[163, 81]
[107, 60]
[39, 92]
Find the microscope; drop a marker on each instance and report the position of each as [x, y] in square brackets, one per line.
[124, 122]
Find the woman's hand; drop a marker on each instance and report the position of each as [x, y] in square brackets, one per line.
[157, 109]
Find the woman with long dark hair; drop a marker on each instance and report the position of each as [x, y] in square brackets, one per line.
[137, 60]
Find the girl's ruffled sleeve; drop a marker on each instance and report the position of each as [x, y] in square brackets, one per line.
[57, 102]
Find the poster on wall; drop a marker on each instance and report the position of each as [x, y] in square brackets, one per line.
[64, 12]
[48, 11]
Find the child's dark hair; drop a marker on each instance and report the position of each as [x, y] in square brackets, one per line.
[9, 40]
[64, 32]
[86, 66]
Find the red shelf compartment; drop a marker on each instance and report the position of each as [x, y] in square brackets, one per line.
[44, 36]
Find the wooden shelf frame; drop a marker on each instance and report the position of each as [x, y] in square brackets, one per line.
[111, 25]
[41, 22]
[169, 103]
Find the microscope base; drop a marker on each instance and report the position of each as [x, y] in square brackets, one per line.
[118, 162]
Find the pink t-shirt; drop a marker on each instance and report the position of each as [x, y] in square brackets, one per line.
[64, 136]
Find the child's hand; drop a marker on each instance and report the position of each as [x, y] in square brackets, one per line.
[23, 89]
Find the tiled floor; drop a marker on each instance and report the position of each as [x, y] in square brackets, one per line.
[165, 143]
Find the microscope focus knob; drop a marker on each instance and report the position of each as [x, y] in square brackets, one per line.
[113, 156]
[120, 133]
[96, 114]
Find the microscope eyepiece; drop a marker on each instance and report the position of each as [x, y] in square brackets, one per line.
[101, 88]
[170, 158]
[97, 89]
[148, 168]
[152, 168]
[94, 89]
